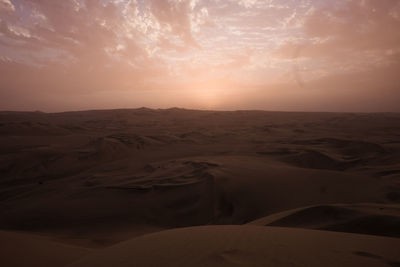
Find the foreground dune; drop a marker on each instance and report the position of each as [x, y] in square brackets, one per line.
[227, 245]
[248, 246]
[21, 249]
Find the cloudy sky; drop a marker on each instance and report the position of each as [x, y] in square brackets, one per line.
[308, 55]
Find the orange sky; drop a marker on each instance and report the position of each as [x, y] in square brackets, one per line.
[308, 55]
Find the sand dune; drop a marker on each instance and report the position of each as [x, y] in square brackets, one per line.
[373, 219]
[96, 178]
[248, 246]
[21, 249]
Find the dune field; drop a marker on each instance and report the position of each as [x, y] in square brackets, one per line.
[177, 187]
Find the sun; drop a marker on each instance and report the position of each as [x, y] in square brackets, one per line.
[208, 95]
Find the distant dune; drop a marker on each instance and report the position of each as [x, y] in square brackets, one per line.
[75, 182]
[373, 219]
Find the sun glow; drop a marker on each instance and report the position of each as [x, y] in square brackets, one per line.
[209, 95]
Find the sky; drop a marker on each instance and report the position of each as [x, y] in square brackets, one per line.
[286, 55]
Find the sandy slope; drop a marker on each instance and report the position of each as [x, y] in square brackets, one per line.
[248, 246]
[193, 191]
[22, 249]
[367, 218]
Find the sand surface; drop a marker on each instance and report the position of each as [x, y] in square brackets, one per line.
[373, 219]
[94, 179]
[22, 249]
[248, 246]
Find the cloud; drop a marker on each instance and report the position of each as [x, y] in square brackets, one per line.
[6, 7]
[342, 38]
[247, 3]
[180, 16]
[352, 27]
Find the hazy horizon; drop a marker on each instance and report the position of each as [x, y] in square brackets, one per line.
[193, 109]
[275, 55]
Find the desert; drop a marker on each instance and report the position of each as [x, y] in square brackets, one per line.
[178, 187]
